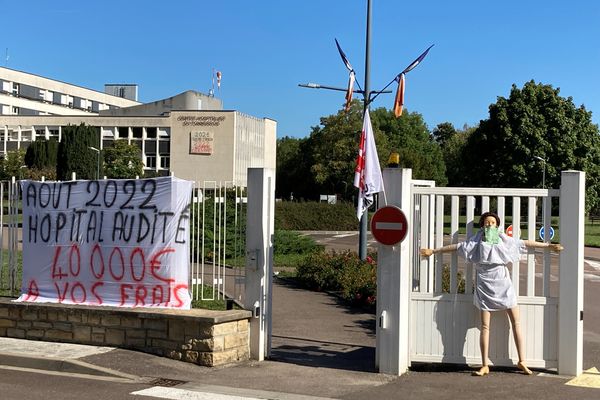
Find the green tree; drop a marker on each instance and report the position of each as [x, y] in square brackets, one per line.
[74, 153]
[534, 121]
[410, 138]
[41, 154]
[452, 151]
[122, 160]
[12, 165]
[329, 153]
[293, 173]
[443, 132]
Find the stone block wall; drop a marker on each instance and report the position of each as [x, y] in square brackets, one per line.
[202, 337]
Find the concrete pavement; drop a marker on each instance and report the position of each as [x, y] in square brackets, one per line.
[320, 349]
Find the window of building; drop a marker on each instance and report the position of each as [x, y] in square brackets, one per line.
[53, 131]
[26, 135]
[151, 161]
[164, 132]
[150, 146]
[136, 132]
[40, 133]
[13, 133]
[108, 132]
[16, 89]
[164, 146]
[58, 98]
[123, 132]
[151, 133]
[165, 161]
[16, 110]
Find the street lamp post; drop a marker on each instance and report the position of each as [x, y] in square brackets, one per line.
[543, 187]
[362, 237]
[367, 99]
[21, 171]
[543, 170]
[97, 161]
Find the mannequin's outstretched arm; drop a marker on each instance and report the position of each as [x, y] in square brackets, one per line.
[446, 249]
[541, 245]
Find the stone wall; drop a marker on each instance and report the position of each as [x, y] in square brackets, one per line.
[202, 337]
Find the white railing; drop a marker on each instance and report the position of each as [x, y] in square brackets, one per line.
[10, 214]
[436, 207]
[218, 219]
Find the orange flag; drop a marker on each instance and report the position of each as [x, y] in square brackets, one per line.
[399, 101]
[350, 90]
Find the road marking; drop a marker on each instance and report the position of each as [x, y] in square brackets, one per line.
[342, 235]
[594, 264]
[69, 374]
[210, 392]
[589, 379]
[182, 394]
[591, 277]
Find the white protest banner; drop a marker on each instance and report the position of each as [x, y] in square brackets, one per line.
[120, 242]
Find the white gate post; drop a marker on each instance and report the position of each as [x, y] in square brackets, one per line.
[570, 301]
[259, 258]
[393, 283]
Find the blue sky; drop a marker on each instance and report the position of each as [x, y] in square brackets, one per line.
[265, 48]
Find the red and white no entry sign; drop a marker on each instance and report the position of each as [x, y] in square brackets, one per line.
[509, 230]
[389, 225]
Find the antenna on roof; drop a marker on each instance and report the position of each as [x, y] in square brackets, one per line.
[211, 91]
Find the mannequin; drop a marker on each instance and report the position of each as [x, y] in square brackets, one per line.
[490, 252]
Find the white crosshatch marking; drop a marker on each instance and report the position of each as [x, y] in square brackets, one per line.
[392, 226]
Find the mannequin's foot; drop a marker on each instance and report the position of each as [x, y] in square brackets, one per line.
[482, 371]
[521, 365]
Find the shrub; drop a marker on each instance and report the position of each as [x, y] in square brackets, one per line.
[313, 216]
[290, 242]
[344, 272]
[446, 280]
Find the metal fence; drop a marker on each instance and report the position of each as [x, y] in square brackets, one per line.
[10, 221]
[217, 226]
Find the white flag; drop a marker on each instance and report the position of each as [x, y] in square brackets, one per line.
[367, 176]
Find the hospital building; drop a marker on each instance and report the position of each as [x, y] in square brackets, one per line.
[188, 134]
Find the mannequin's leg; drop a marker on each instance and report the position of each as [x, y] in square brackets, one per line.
[484, 343]
[514, 316]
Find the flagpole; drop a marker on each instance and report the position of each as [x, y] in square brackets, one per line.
[362, 238]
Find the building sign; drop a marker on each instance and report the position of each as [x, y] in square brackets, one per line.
[201, 142]
[200, 120]
[121, 243]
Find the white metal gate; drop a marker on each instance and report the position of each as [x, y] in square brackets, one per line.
[425, 306]
[453, 334]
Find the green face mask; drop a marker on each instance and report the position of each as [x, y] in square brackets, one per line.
[491, 235]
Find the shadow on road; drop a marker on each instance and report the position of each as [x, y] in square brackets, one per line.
[315, 353]
[343, 337]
